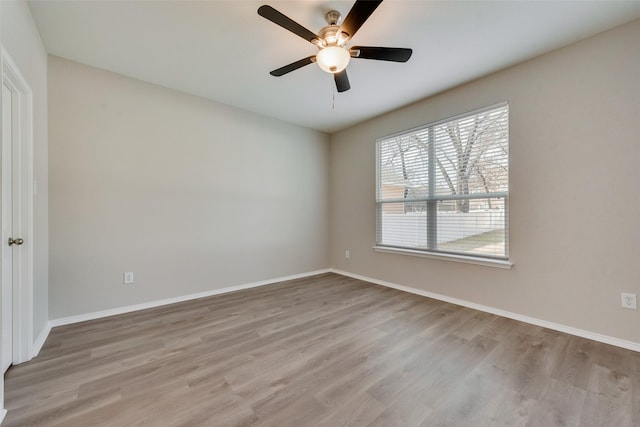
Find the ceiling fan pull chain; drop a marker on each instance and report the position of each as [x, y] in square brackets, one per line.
[333, 96]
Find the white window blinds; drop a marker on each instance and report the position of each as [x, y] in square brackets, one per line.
[444, 187]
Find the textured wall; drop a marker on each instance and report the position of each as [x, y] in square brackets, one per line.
[187, 194]
[574, 210]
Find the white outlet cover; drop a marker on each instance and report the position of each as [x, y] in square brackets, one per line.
[128, 278]
[629, 301]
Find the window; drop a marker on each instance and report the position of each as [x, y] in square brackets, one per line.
[444, 187]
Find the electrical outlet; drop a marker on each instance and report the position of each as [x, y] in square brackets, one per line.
[629, 301]
[346, 253]
[128, 278]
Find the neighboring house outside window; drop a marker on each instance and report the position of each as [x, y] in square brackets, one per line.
[444, 187]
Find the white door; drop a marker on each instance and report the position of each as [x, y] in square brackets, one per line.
[7, 251]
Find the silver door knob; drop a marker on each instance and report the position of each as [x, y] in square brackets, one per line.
[13, 241]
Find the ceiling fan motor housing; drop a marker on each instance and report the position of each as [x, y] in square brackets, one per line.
[331, 36]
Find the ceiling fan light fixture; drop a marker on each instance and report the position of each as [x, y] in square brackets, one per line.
[333, 59]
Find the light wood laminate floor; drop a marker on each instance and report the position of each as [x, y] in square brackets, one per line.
[321, 351]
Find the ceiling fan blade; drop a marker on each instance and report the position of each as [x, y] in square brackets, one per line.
[342, 81]
[358, 14]
[293, 66]
[395, 54]
[285, 22]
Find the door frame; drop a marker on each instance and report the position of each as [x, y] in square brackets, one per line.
[22, 174]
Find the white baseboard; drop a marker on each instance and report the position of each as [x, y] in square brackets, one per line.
[630, 345]
[3, 413]
[39, 342]
[130, 308]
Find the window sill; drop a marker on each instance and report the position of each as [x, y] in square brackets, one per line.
[447, 257]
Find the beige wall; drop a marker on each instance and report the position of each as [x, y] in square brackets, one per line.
[189, 195]
[21, 39]
[574, 177]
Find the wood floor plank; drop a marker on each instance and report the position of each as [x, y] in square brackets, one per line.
[359, 412]
[560, 404]
[575, 363]
[442, 380]
[326, 350]
[608, 390]
[472, 401]
[634, 363]
[514, 409]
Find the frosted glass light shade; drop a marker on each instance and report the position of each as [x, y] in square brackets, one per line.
[333, 59]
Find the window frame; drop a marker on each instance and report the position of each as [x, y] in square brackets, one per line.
[432, 199]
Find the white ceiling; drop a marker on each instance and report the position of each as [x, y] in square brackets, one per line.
[223, 50]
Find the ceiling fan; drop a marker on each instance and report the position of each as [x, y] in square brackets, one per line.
[333, 42]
